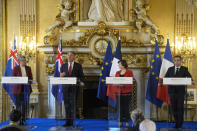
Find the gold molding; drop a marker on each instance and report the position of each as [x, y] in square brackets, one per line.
[128, 9]
[71, 30]
[5, 110]
[135, 61]
[78, 8]
[111, 26]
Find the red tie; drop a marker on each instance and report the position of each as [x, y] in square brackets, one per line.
[70, 69]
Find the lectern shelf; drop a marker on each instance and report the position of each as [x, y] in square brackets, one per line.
[177, 81]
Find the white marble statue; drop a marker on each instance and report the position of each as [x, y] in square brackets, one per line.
[142, 16]
[63, 18]
[106, 10]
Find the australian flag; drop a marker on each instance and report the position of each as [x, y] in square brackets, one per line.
[105, 71]
[12, 62]
[57, 89]
[151, 91]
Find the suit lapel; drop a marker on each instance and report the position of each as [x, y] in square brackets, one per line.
[19, 71]
[173, 71]
[74, 66]
[66, 69]
[27, 71]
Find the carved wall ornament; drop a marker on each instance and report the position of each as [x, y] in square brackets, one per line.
[50, 68]
[143, 22]
[136, 60]
[64, 19]
[87, 59]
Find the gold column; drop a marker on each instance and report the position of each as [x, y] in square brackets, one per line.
[3, 56]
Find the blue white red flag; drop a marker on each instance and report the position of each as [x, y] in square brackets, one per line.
[12, 62]
[57, 89]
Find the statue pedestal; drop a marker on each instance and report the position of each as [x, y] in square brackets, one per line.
[95, 23]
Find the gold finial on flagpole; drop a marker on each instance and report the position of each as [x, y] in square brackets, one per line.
[167, 35]
[119, 35]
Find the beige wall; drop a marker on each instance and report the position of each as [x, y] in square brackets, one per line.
[46, 13]
[13, 22]
[162, 12]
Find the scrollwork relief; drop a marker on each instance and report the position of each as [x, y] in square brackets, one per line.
[63, 19]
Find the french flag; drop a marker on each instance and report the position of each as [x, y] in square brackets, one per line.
[162, 90]
[114, 68]
[117, 57]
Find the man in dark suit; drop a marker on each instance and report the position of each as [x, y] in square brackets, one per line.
[177, 93]
[71, 69]
[19, 90]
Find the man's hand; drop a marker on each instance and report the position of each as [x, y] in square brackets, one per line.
[82, 84]
[62, 74]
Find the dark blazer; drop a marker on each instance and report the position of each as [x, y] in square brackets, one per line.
[17, 72]
[77, 71]
[183, 72]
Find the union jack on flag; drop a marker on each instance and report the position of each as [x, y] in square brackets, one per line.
[12, 62]
[13, 56]
[59, 57]
[57, 89]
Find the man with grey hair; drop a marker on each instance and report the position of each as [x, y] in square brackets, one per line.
[71, 69]
[137, 116]
[21, 91]
[147, 125]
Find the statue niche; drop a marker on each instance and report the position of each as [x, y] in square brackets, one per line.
[142, 20]
[106, 10]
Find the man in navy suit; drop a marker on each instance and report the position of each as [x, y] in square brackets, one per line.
[71, 69]
[178, 92]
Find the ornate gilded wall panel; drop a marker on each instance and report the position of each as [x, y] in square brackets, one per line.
[3, 59]
[1, 56]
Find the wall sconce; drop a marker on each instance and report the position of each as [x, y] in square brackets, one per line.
[27, 47]
[185, 46]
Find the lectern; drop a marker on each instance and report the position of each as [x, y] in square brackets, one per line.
[115, 86]
[68, 84]
[12, 86]
[177, 84]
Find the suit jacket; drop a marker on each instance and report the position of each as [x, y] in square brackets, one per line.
[77, 71]
[183, 72]
[17, 72]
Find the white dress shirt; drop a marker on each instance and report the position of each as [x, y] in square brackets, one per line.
[23, 71]
[69, 65]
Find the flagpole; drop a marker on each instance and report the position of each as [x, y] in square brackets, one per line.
[157, 114]
[119, 35]
[169, 109]
[14, 40]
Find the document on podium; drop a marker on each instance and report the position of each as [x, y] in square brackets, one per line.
[119, 80]
[177, 81]
[63, 80]
[14, 80]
